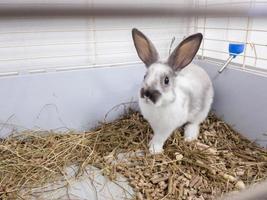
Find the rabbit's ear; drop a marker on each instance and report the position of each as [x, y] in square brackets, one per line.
[184, 53]
[144, 47]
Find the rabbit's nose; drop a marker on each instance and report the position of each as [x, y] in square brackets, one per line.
[148, 93]
[145, 93]
[153, 95]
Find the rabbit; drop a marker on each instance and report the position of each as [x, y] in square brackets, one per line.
[173, 93]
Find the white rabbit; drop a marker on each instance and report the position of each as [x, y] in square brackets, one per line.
[174, 92]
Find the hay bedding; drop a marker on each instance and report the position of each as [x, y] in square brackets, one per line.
[220, 161]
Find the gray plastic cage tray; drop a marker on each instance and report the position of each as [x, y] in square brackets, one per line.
[81, 98]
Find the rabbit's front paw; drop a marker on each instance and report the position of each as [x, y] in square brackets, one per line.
[191, 132]
[155, 149]
[190, 139]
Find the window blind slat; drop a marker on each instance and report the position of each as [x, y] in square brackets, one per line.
[50, 43]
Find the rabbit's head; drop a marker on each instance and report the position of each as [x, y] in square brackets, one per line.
[158, 86]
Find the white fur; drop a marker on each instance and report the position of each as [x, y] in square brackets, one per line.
[181, 104]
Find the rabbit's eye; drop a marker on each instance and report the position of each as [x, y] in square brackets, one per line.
[166, 80]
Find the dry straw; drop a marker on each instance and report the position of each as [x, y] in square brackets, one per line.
[219, 162]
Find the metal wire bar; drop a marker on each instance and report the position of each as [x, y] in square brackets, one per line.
[93, 29]
[67, 68]
[91, 42]
[232, 29]
[81, 43]
[139, 10]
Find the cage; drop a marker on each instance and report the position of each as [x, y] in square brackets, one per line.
[65, 64]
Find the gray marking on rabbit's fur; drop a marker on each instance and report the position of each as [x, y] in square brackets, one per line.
[189, 100]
